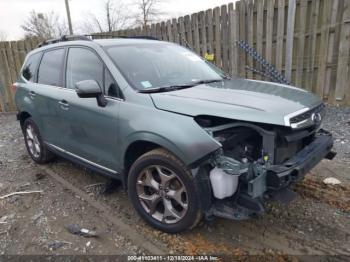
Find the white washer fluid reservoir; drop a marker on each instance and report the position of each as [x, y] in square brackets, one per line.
[223, 184]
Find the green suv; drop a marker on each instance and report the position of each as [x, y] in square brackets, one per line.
[185, 139]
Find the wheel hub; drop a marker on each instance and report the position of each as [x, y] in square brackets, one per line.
[162, 193]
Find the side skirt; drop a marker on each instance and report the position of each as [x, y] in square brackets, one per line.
[85, 163]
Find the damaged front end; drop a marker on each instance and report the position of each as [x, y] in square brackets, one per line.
[256, 163]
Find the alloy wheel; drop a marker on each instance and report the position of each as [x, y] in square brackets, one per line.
[162, 194]
[33, 141]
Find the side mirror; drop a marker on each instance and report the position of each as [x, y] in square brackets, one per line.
[91, 89]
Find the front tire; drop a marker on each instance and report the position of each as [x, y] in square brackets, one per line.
[163, 192]
[34, 143]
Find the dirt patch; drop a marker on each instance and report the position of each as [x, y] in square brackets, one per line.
[198, 244]
[194, 244]
[335, 195]
[37, 223]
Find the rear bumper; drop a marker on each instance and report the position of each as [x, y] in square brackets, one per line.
[281, 176]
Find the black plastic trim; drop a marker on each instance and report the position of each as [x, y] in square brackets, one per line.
[280, 176]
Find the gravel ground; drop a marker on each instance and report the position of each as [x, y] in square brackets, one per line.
[37, 223]
[338, 123]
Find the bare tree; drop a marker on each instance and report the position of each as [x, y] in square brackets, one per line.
[112, 18]
[45, 26]
[3, 36]
[148, 11]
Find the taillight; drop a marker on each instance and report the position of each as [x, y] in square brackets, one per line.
[14, 87]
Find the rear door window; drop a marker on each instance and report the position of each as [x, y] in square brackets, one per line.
[50, 70]
[30, 67]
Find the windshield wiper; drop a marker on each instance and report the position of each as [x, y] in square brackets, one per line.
[165, 88]
[178, 87]
[201, 82]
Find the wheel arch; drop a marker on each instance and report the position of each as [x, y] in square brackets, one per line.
[22, 117]
[135, 150]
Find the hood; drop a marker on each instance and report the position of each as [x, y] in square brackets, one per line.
[239, 99]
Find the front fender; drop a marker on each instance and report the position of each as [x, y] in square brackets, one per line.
[179, 134]
[147, 136]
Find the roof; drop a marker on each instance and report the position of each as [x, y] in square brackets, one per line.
[93, 43]
[123, 41]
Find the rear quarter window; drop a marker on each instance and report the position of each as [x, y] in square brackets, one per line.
[51, 68]
[30, 67]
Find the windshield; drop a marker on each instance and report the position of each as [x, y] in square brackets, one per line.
[148, 66]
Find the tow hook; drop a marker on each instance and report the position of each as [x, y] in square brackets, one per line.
[330, 155]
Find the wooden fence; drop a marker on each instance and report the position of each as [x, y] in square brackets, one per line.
[307, 40]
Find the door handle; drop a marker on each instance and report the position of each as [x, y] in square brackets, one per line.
[64, 104]
[32, 94]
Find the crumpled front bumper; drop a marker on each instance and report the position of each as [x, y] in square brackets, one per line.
[262, 182]
[281, 176]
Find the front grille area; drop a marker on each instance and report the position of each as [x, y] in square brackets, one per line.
[290, 142]
[284, 152]
[307, 115]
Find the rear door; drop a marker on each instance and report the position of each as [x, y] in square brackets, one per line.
[47, 93]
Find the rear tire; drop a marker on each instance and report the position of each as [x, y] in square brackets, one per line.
[36, 148]
[163, 192]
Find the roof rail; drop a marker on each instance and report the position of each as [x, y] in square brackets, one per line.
[140, 37]
[64, 38]
[124, 36]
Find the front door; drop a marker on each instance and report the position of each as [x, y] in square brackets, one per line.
[89, 131]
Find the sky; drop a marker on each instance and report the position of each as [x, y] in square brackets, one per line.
[14, 12]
